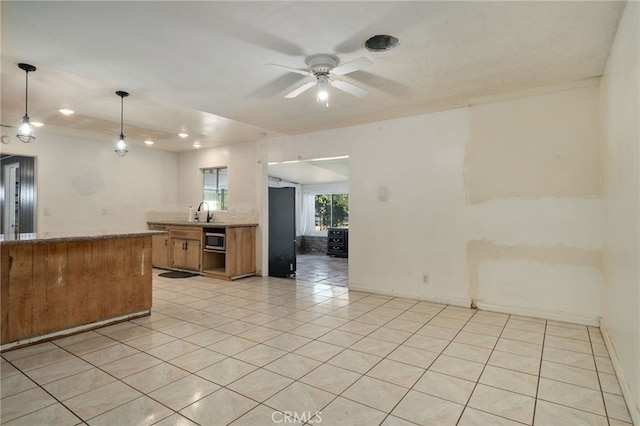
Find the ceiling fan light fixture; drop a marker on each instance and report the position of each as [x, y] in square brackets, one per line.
[327, 69]
[381, 43]
[25, 129]
[121, 146]
[323, 93]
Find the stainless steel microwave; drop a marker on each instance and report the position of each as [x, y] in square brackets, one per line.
[214, 241]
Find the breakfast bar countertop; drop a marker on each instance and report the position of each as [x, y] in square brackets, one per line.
[66, 236]
[200, 224]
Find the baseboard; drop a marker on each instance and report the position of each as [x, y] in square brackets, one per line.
[632, 404]
[445, 301]
[537, 313]
[513, 310]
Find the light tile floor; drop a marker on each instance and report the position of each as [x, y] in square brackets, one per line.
[322, 269]
[263, 351]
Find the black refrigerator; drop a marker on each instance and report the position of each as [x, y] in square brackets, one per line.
[282, 232]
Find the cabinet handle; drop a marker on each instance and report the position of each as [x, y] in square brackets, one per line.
[166, 242]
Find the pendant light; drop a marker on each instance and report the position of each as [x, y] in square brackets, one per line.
[121, 146]
[25, 129]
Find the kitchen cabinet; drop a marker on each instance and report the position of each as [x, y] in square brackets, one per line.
[186, 247]
[161, 254]
[239, 257]
[161, 251]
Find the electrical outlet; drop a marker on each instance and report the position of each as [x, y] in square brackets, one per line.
[425, 278]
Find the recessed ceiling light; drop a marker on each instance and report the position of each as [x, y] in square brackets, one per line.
[148, 142]
[37, 124]
[196, 145]
[381, 43]
[66, 111]
[183, 135]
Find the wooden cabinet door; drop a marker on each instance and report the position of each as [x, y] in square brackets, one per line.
[193, 252]
[186, 254]
[178, 253]
[161, 251]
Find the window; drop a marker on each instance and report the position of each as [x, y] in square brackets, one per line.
[332, 210]
[215, 188]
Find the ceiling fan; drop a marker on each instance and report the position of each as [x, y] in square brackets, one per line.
[324, 68]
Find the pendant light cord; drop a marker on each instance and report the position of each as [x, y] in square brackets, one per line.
[26, 94]
[121, 115]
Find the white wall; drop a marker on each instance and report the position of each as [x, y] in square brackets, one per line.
[620, 91]
[79, 179]
[241, 161]
[534, 211]
[507, 215]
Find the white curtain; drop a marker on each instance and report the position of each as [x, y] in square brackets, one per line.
[307, 216]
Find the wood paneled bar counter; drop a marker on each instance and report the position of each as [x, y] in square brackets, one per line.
[55, 284]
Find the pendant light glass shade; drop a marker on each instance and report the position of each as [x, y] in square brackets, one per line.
[121, 146]
[25, 129]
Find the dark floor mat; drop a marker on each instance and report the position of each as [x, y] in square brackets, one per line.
[177, 274]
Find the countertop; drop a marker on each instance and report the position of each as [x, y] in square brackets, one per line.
[200, 224]
[55, 237]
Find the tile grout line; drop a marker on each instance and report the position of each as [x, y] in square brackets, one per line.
[535, 403]
[477, 382]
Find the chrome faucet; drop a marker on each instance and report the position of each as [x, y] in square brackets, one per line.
[209, 217]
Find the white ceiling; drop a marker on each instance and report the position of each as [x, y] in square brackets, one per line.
[316, 171]
[201, 66]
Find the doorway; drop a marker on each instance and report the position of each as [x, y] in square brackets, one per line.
[315, 183]
[18, 194]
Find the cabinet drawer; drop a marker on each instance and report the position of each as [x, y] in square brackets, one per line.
[157, 227]
[186, 233]
[336, 240]
[336, 249]
[336, 233]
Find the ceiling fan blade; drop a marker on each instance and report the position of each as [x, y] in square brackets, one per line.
[349, 88]
[351, 66]
[296, 70]
[301, 89]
